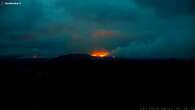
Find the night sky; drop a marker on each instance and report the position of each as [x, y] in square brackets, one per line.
[126, 28]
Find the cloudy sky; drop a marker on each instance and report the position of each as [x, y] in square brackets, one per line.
[127, 28]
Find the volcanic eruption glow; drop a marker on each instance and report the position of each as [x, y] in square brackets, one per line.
[100, 53]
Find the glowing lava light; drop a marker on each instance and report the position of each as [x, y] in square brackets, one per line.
[100, 53]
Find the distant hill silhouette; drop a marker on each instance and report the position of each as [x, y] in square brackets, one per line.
[73, 57]
[80, 58]
[4, 57]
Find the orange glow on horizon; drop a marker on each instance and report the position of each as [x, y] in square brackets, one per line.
[100, 53]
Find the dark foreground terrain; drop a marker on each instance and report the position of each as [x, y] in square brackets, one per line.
[87, 82]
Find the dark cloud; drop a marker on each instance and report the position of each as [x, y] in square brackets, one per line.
[169, 7]
[128, 28]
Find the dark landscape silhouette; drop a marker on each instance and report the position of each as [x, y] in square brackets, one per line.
[141, 81]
